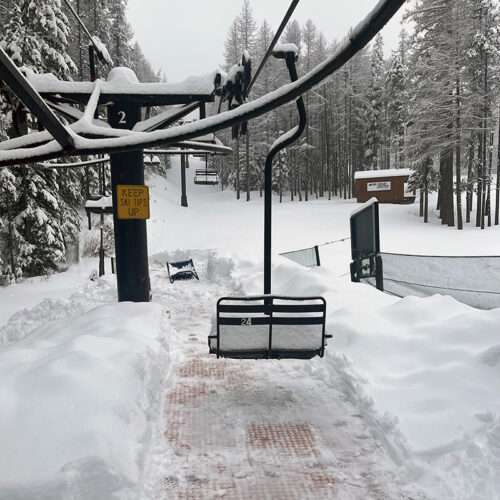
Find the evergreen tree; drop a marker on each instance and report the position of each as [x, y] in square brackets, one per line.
[374, 106]
[141, 66]
[397, 106]
[38, 219]
[35, 37]
[8, 198]
[121, 34]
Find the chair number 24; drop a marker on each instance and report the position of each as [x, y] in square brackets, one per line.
[246, 321]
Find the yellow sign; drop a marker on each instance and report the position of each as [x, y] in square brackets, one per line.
[133, 202]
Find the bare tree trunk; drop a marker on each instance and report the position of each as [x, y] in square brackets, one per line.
[447, 212]
[237, 168]
[458, 159]
[488, 181]
[10, 240]
[470, 162]
[497, 198]
[280, 177]
[479, 181]
[483, 182]
[458, 173]
[247, 162]
[426, 191]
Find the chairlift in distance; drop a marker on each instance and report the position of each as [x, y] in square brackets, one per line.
[181, 270]
[271, 326]
[206, 177]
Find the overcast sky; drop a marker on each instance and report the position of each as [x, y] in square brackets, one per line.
[186, 37]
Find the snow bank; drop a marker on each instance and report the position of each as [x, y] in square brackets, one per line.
[431, 363]
[76, 398]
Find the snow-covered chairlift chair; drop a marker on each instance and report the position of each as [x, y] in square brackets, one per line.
[182, 270]
[206, 177]
[271, 326]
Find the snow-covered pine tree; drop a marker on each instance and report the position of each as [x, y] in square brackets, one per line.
[38, 220]
[397, 102]
[232, 55]
[320, 115]
[309, 42]
[95, 15]
[483, 57]
[8, 198]
[247, 32]
[374, 106]
[36, 37]
[285, 116]
[262, 131]
[438, 92]
[121, 34]
[141, 66]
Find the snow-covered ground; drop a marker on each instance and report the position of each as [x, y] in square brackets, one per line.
[102, 400]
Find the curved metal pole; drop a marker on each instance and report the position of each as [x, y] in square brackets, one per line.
[358, 39]
[280, 144]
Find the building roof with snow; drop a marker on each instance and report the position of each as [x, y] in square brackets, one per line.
[374, 174]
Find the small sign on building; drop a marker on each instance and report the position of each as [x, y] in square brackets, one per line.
[132, 201]
[379, 186]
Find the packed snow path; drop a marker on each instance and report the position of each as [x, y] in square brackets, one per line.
[255, 429]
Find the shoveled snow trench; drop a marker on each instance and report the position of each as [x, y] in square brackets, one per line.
[122, 401]
[261, 429]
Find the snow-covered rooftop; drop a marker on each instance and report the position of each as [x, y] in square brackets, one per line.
[375, 174]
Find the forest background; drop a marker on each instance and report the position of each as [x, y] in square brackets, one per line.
[432, 106]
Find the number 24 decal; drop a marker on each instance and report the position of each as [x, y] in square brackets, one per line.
[122, 116]
[246, 321]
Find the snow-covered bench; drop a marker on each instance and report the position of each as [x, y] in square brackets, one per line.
[269, 326]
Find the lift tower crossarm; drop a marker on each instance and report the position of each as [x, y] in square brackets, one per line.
[14, 79]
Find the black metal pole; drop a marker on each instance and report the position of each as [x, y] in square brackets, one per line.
[184, 201]
[290, 59]
[379, 273]
[267, 223]
[131, 246]
[93, 72]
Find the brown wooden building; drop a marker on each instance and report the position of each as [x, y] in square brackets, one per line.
[388, 186]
